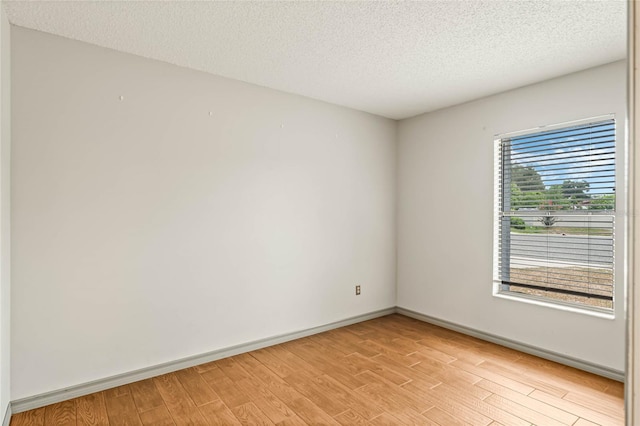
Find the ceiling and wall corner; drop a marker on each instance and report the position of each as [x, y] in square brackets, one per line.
[394, 59]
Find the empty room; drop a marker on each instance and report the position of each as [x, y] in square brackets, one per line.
[318, 212]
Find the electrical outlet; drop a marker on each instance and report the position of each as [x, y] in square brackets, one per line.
[357, 290]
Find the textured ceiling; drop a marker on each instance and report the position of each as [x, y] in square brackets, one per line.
[395, 59]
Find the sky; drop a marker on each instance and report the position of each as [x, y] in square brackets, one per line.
[579, 153]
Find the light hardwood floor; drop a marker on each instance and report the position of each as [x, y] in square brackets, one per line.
[388, 371]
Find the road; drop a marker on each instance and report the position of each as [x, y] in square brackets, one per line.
[572, 249]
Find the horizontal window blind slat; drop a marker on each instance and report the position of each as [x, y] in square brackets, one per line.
[569, 285]
[555, 141]
[524, 155]
[608, 125]
[582, 158]
[602, 278]
[521, 209]
[566, 136]
[560, 251]
[605, 171]
[562, 291]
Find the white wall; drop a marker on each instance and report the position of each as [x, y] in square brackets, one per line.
[445, 214]
[5, 239]
[146, 230]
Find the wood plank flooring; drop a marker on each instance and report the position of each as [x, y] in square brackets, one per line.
[388, 371]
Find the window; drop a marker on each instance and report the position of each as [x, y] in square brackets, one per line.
[555, 204]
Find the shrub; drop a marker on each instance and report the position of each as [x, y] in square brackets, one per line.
[517, 223]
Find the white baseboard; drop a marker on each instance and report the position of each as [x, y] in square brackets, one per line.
[44, 399]
[522, 347]
[60, 395]
[7, 416]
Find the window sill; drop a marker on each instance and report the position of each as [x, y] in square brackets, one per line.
[567, 307]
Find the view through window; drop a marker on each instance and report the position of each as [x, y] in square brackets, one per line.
[555, 214]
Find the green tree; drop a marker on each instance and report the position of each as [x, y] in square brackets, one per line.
[603, 202]
[554, 199]
[525, 199]
[526, 178]
[575, 191]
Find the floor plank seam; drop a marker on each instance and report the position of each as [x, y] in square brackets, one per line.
[390, 370]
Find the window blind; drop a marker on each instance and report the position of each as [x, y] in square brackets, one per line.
[556, 213]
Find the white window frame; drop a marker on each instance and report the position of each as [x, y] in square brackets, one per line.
[498, 290]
